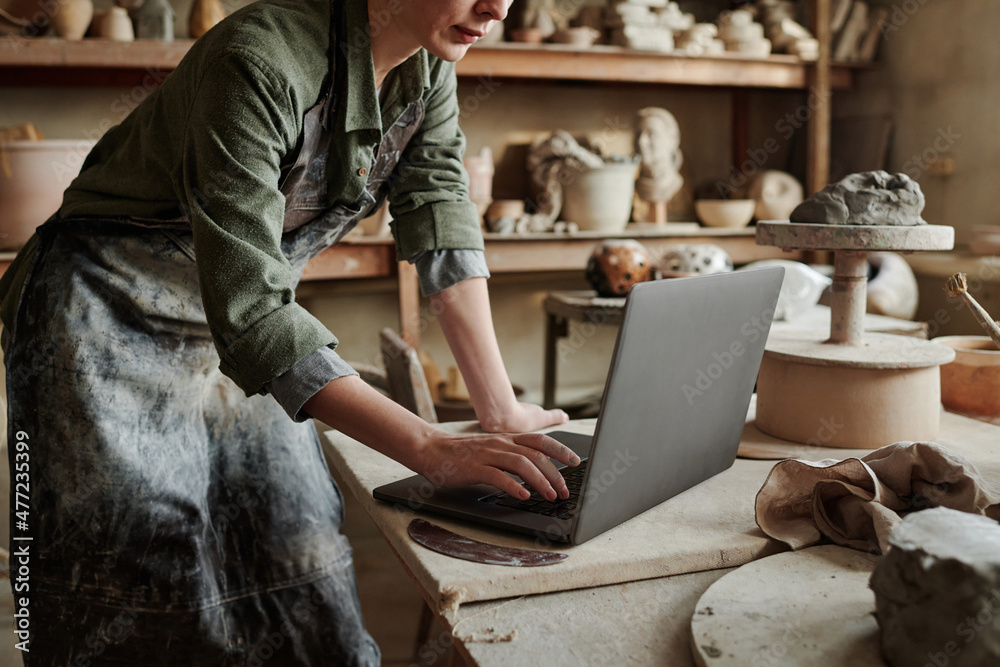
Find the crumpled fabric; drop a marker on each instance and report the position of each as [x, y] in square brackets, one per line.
[856, 502]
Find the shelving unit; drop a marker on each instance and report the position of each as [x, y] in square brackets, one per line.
[52, 62]
[48, 61]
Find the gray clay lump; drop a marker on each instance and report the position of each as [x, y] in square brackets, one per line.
[867, 198]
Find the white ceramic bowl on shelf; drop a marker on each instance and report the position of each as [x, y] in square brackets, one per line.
[725, 212]
[33, 176]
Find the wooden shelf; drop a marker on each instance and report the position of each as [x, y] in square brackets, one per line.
[90, 61]
[614, 63]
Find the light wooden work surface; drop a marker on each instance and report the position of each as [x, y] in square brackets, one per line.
[625, 597]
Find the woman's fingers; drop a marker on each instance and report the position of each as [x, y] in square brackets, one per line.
[536, 470]
[496, 477]
[548, 446]
[486, 459]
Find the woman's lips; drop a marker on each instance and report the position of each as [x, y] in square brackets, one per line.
[467, 36]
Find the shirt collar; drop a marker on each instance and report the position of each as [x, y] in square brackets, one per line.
[407, 82]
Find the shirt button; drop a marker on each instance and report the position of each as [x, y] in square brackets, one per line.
[374, 134]
[362, 171]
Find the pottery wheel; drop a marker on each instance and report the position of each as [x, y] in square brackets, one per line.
[877, 389]
[809, 608]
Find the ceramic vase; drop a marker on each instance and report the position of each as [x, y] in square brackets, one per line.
[204, 15]
[116, 25]
[72, 18]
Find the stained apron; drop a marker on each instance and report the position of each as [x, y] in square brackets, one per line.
[175, 521]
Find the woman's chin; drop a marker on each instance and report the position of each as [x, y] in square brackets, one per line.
[450, 52]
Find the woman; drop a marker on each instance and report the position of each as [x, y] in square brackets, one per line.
[161, 371]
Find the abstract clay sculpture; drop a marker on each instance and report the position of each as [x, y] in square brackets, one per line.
[658, 142]
[777, 194]
[867, 198]
[547, 159]
[937, 590]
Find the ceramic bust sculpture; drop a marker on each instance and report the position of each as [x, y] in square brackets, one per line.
[658, 142]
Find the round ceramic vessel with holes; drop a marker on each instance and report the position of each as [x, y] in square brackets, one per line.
[696, 259]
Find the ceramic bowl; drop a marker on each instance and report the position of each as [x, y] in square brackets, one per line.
[505, 208]
[971, 383]
[526, 35]
[985, 240]
[32, 180]
[725, 212]
[581, 37]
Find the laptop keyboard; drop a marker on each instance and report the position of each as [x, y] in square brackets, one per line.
[560, 509]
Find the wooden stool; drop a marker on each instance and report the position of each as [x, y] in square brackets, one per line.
[582, 306]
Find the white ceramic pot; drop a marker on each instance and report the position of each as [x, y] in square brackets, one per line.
[600, 199]
[33, 176]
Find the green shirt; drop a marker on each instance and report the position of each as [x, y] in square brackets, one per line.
[211, 142]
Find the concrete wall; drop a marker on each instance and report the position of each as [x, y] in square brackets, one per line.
[936, 81]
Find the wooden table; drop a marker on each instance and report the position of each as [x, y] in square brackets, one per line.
[644, 621]
[585, 307]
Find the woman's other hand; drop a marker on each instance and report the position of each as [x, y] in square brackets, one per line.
[522, 417]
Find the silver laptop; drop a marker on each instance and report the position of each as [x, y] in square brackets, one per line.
[674, 405]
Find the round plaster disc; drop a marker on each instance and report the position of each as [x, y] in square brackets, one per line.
[809, 608]
[876, 350]
[810, 236]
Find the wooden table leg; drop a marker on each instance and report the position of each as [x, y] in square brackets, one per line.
[409, 304]
[555, 328]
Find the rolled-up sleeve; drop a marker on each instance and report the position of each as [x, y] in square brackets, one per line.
[242, 122]
[301, 382]
[429, 199]
[438, 270]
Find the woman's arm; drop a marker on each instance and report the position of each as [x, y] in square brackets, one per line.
[352, 407]
[464, 313]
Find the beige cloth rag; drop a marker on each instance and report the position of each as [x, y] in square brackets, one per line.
[856, 502]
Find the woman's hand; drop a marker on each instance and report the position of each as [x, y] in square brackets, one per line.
[464, 313]
[522, 417]
[460, 460]
[352, 407]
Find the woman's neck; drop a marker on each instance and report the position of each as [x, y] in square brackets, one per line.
[391, 43]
